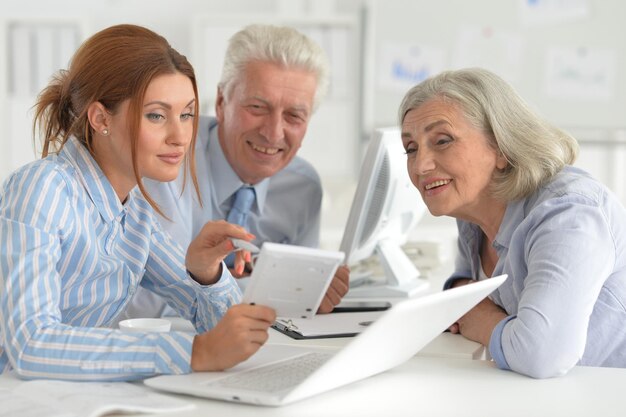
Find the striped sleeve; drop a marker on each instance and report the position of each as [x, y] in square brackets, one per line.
[166, 275]
[36, 217]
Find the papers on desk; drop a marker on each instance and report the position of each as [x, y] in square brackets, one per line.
[326, 325]
[45, 398]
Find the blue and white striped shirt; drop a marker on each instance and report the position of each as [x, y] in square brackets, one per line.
[71, 257]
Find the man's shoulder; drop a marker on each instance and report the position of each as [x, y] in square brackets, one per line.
[205, 123]
[300, 167]
[299, 182]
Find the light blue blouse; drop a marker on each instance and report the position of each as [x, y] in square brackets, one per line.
[564, 249]
[71, 257]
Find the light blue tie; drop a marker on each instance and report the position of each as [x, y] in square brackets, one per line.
[238, 214]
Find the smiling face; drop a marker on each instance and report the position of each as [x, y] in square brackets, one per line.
[450, 161]
[262, 121]
[165, 132]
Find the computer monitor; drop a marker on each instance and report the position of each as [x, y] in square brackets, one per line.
[385, 209]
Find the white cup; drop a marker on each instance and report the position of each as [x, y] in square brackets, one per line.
[145, 325]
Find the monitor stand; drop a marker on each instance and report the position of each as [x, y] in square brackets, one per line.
[402, 278]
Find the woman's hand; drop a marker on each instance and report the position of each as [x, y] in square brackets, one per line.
[240, 333]
[478, 323]
[210, 247]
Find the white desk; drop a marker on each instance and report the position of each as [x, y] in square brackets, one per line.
[453, 385]
[427, 386]
[441, 380]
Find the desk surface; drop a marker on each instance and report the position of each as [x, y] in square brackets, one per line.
[428, 386]
[451, 387]
[442, 380]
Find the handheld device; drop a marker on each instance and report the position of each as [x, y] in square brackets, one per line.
[291, 279]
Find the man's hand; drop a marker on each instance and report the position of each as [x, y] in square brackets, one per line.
[240, 333]
[338, 287]
[210, 247]
[247, 267]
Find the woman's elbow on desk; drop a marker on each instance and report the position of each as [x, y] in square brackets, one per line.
[534, 358]
[542, 367]
[18, 365]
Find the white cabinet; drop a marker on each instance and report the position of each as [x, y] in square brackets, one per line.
[35, 49]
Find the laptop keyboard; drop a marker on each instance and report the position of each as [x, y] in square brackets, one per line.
[277, 376]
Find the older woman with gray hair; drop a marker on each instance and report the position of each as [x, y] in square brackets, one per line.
[477, 152]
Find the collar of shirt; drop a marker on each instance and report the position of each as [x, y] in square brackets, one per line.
[95, 182]
[513, 216]
[225, 182]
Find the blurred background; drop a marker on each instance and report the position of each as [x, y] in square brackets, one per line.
[566, 57]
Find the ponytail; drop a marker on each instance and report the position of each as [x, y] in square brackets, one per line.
[54, 118]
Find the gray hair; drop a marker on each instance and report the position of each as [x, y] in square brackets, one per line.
[282, 45]
[535, 150]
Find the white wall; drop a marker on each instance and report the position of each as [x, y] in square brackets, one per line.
[30, 31]
[566, 58]
[502, 36]
[179, 22]
[335, 139]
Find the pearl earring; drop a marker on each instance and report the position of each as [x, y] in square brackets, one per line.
[105, 132]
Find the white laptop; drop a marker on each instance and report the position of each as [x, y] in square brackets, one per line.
[281, 374]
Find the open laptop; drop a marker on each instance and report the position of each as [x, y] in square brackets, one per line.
[281, 374]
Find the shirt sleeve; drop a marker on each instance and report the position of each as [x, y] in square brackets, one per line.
[34, 339]
[495, 347]
[309, 235]
[176, 203]
[569, 252]
[166, 275]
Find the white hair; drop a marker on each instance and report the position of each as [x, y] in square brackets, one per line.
[281, 45]
[535, 149]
